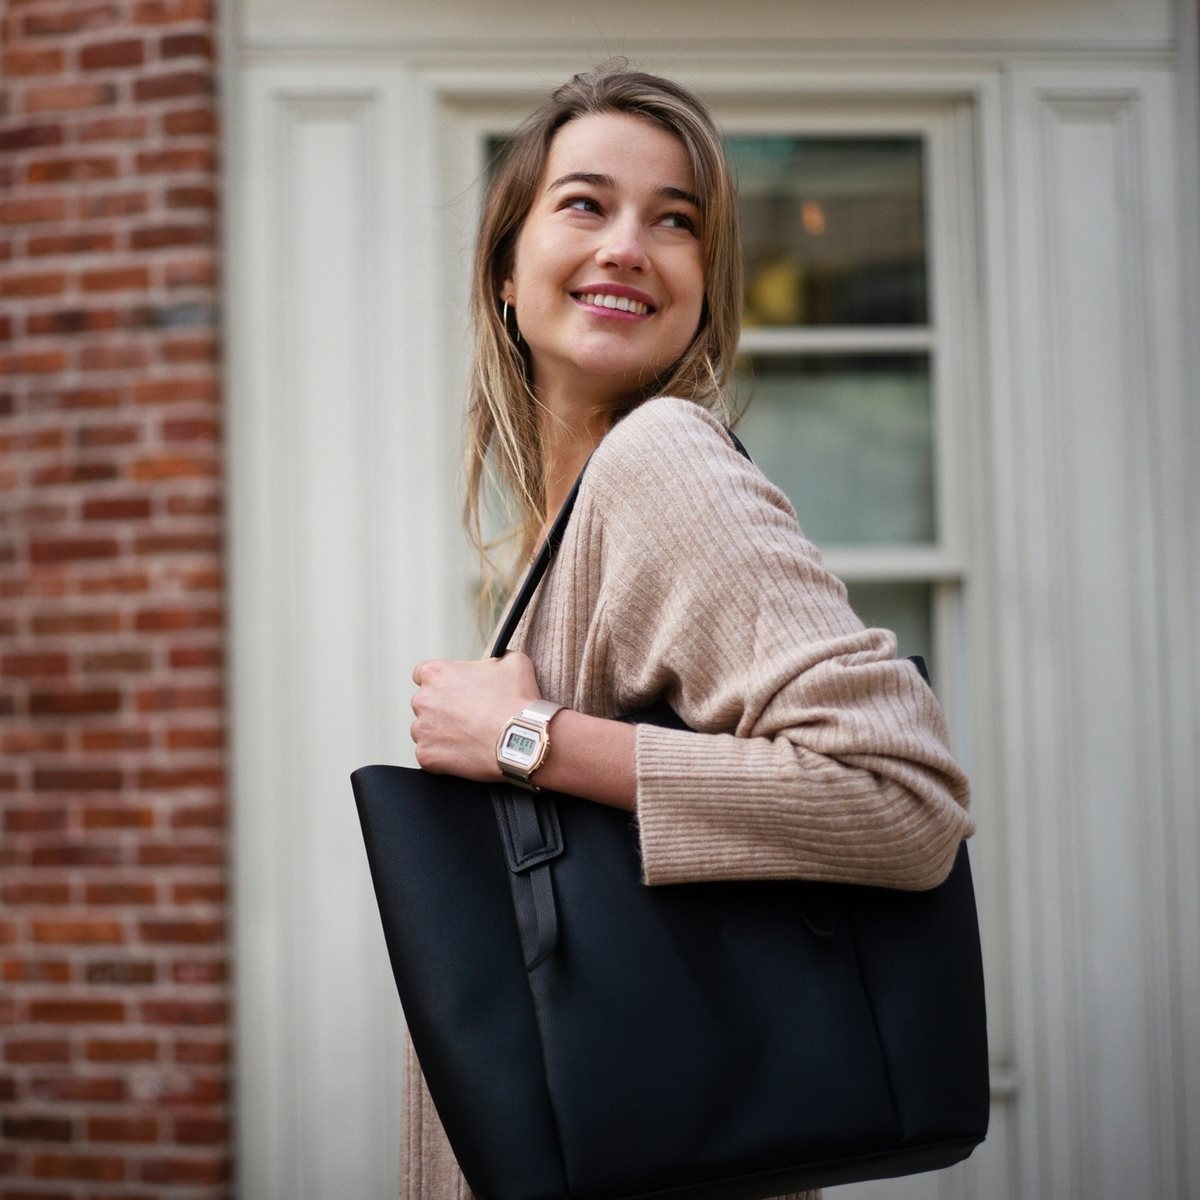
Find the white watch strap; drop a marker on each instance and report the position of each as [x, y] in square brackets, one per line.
[540, 712]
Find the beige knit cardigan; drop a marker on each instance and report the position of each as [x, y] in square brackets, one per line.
[817, 754]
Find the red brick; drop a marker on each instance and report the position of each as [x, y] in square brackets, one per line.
[97, 1167]
[32, 210]
[106, 435]
[27, 665]
[37, 1050]
[207, 738]
[198, 892]
[180, 932]
[33, 60]
[168, 698]
[32, 741]
[28, 137]
[193, 506]
[69, 97]
[201, 1131]
[69, 702]
[177, 543]
[121, 1050]
[66, 170]
[192, 197]
[105, 56]
[121, 974]
[74, 18]
[114, 204]
[100, 740]
[78, 622]
[203, 816]
[202, 349]
[43, 1129]
[91, 397]
[186, 45]
[122, 816]
[187, 657]
[116, 508]
[172, 467]
[74, 243]
[44, 550]
[122, 1129]
[77, 779]
[75, 854]
[108, 661]
[82, 932]
[120, 127]
[45, 362]
[36, 893]
[185, 1012]
[114, 357]
[35, 820]
[155, 237]
[44, 284]
[195, 1051]
[124, 582]
[199, 160]
[115, 279]
[191, 971]
[173, 85]
[186, 1170]
[157, 619]
[70, 320]
[173, 854]
[165, 12]
[125, 893]
[188, 273]
[77, 1012]
[190, 123]
[184, 429]
[175, 390]
[39, 970]
[77, 472]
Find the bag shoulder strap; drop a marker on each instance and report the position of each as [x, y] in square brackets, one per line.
[545, 555]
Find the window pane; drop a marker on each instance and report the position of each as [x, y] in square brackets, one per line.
[849, 439]
[834, 229]
[904, 608]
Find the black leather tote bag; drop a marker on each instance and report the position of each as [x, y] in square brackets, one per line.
[586, 1037]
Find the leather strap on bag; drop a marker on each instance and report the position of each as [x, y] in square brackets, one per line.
[529, 826]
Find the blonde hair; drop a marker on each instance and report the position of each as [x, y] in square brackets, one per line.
[502, 443]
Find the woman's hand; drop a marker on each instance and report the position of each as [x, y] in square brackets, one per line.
[462, 705]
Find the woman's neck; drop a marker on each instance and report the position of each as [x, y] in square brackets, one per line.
[569, 433]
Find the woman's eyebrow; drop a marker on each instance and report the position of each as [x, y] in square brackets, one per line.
[607, 181]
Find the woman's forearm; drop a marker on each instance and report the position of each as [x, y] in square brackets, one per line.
[592, 758]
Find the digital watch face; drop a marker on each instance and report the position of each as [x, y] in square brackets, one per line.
[519, 747]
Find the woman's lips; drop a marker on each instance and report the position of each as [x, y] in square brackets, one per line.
[604, 304]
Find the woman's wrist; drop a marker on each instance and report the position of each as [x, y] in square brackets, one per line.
[592, 758]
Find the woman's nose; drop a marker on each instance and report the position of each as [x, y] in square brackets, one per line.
[623, 245]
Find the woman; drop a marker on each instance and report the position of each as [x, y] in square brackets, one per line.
[606, 301]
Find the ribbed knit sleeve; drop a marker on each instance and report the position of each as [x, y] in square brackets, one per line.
[817, 754]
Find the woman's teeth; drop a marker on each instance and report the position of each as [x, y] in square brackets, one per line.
[621, 302]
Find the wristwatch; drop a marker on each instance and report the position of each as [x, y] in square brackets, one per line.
[525, 742]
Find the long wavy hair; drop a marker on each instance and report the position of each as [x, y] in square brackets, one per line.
[503, 447]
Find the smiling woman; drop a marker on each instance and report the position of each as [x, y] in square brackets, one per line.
[606, 299]
[607, 283]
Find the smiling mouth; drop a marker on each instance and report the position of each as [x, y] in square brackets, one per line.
[620, 303]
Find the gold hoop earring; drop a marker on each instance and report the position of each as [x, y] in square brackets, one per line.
[504, 319]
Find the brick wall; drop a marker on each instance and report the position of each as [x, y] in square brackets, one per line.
[114, 1037]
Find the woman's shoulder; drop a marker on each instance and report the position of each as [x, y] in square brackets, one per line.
[661, 440]
[673, 456]
[661, 423]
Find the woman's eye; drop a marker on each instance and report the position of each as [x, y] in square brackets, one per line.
[680, 221]
[582, 204]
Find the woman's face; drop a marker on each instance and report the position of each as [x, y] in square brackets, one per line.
[608, 272]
